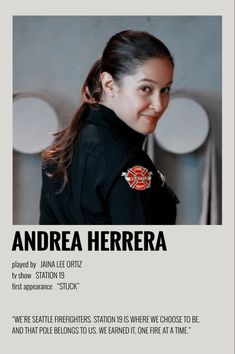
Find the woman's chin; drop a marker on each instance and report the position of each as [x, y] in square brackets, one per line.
[148, 129]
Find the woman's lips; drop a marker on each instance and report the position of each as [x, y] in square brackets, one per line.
[151, 117]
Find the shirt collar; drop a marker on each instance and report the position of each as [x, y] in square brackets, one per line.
[104, 116]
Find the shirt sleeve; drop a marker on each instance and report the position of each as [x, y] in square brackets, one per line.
[140, 196]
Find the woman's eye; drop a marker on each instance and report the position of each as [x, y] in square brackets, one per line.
[166, 90]
[145, 89]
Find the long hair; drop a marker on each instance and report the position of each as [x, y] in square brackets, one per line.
[123, 53]
[60, 153]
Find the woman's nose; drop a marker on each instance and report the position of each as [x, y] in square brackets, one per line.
[156, 104]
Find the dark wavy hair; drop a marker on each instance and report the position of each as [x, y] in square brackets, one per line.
[123, 53]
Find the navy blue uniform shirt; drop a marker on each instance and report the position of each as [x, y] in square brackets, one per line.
[111, 179]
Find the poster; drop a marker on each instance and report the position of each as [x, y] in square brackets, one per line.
[81, 299]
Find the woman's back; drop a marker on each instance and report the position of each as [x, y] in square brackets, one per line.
[98, 191]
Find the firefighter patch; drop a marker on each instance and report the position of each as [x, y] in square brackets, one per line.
[138, 177]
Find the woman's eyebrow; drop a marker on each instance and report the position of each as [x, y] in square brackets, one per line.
[154, 82]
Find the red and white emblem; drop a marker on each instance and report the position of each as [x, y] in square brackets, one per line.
[138, 177]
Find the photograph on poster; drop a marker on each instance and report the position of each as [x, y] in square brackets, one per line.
[120, 166]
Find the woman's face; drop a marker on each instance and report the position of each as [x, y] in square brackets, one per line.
[140, 99]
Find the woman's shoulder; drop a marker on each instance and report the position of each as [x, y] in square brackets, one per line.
[98, 139]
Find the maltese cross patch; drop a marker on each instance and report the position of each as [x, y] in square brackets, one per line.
[138, 177]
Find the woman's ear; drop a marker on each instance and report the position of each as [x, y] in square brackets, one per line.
[108, 84]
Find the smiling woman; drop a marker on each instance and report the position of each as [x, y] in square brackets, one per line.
[96, 172]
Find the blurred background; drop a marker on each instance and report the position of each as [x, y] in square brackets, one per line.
[51, 58]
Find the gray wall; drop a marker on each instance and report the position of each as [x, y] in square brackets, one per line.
[52, 55]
